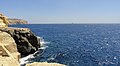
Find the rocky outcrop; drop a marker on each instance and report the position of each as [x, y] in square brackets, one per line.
[44, 64]
[26, 41]
[9, 55]
[16, 21]
[16, 41]
[3, 21]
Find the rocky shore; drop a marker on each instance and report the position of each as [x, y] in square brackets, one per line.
[44, 64]
[17, 42]
[27, 42]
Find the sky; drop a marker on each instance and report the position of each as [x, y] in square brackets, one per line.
[62, 11]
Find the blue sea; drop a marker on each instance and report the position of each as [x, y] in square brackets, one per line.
[79, 44]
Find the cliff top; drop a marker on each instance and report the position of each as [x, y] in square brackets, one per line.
[17, 21]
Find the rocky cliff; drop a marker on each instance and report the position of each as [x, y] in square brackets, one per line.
[15, 42]
[27, 42]
[16, 21]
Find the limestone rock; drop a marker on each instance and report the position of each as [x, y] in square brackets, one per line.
[3, 21]
[44, 64]
[26, 41]
[9, 55]
[16, 21]
[2, 24]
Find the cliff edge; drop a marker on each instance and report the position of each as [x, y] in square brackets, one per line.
[12, 21]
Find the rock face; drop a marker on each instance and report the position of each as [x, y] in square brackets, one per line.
[26, 41]
[9, 55]
[16, 21]
[44, 64]
[3, 21]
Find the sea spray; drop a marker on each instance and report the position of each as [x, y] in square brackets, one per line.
[27, 59]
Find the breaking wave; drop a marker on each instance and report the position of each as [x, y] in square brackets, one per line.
[27, 59]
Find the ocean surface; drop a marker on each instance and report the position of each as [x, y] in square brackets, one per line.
[78, 44]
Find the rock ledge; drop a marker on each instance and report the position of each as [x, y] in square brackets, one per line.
[44, 64]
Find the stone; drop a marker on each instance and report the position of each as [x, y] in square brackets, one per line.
[27, 42]
[3, 21]
[44, 64]
[2, 24]
[9, 56]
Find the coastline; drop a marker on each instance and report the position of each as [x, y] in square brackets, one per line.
[26, 58]
[19, 42]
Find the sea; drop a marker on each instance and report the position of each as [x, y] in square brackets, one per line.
[77, 44]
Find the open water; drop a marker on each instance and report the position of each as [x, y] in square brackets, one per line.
[79, 44]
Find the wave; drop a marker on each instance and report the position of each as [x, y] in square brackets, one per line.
[27, 59]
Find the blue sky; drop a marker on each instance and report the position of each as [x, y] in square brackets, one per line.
[63, 11]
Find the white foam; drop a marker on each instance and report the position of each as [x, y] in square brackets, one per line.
[26, 59]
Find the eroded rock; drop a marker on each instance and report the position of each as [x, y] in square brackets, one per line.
[27, 42]
[9, 56]
[3, 21]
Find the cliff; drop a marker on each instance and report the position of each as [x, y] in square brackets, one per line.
[16, 21]
[27, 42]
[15, 42]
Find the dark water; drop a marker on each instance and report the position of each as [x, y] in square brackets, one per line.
[79, 45]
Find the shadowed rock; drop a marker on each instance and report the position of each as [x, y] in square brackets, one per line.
[26, 41]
